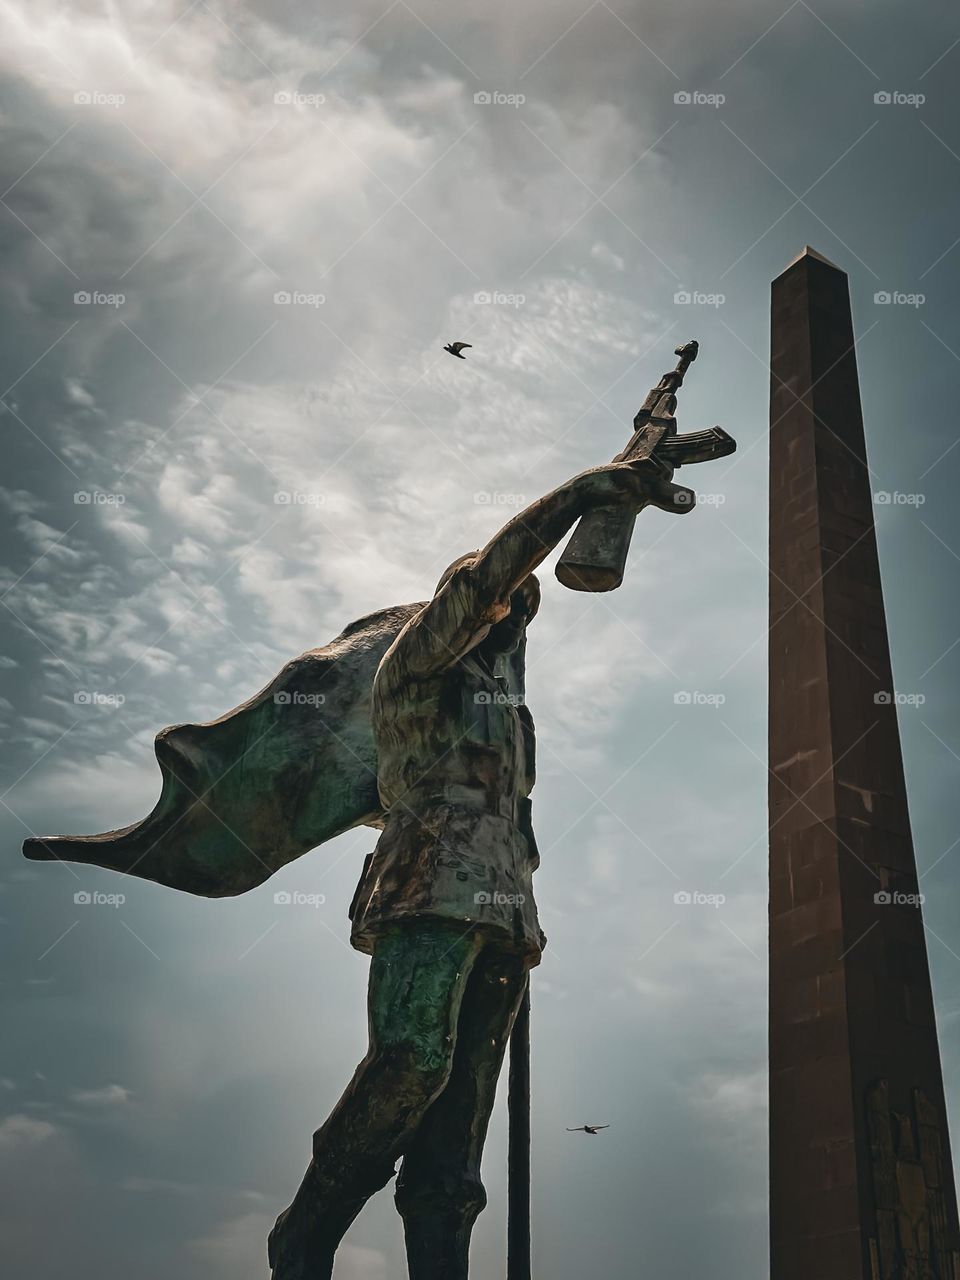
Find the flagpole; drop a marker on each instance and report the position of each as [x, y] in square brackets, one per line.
[518, 1145]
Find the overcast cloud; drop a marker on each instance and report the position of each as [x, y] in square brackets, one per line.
[200, 482]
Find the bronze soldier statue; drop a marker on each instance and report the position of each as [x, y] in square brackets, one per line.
[413, 721]
[445, 906]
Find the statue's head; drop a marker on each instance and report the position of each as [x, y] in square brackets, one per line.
[504, 636]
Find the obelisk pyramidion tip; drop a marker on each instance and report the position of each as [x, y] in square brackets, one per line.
[808, 252]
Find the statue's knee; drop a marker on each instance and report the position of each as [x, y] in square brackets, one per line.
[430, 1192]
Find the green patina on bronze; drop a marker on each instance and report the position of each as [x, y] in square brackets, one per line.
[247, 793]
[412, 721]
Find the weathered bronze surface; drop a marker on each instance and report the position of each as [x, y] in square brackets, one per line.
[413, 721]
[243, 795]
[452, 873]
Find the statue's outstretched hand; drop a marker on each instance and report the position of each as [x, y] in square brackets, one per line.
[642, 485]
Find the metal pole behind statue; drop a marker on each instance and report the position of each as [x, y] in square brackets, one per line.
[518, 1146]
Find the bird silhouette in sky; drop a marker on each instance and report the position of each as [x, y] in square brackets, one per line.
[589, 1128]
[456, 347]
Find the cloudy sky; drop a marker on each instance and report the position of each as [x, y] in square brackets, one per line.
[589, 167]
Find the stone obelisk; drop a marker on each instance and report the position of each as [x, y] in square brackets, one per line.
[861, 1183]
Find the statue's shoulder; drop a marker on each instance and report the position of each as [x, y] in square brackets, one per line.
[397, 690]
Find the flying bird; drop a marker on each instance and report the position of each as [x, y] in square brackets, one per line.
[456, 347]
[589, 1128]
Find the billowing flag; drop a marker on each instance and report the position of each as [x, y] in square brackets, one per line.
[277, 776]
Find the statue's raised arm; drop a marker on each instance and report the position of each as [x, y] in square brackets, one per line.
[479, 593]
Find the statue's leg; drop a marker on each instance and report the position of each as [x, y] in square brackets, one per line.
[418, 976]
[439, 1192]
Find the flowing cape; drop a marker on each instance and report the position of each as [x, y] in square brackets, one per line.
[244, 795]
